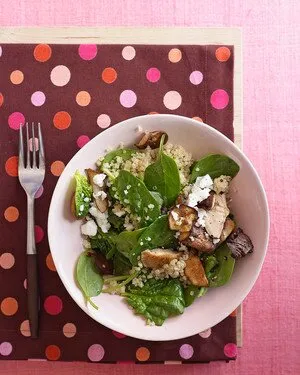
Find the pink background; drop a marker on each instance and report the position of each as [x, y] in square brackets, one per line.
[271, 33]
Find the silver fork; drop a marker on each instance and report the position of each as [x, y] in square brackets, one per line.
[31, 176]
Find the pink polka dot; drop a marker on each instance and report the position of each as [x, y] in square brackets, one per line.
[186, 351]
[53, 305]
[82, 140]
[96, 352]
[25, 284]
[230, 350]
[205, 334]
[118, 335]
[5, 348]
[39, 193]
[0, 51]
[39, 233]
[103, 121]
[196, 77]
[153, 75]
[38, 98]
[87, 51]
[219, 99]
[128, 98]
[15, 119]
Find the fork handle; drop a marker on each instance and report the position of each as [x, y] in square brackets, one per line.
[32, 272]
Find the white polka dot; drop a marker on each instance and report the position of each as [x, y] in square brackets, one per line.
[60, 75]
[103, 121]
[172, 100]
[128, 53]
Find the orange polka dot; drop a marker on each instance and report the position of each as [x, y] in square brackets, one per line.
[153, 113]
[142, 354]
[109, 75]
[1, 99]
[175, 55]
[7, 260]
[62, 120]
[57, 167]
[52, 352]
[198, 119]
[11, 214]
[50, 263]
[83, 98]
[9, 306]
[69, 330]
[11, 166]
[16, 77]
[234, 312]
[25, 328]
[223, 54]
[42, 52]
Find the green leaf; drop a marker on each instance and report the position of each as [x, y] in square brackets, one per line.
[214, 165]
[158, 234]
[191, 293]
[104, 242]
[82, 190]
[111, 157]
[157, 197]
[116, 221]
[122, 265]
[126, 241]
[88, 277]
[157, 300]
[163, 177]
[133, 192]
[221, 272]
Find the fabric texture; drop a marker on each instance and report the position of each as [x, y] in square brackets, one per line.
[75, 92]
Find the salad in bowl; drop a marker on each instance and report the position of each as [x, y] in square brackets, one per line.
[157, 226]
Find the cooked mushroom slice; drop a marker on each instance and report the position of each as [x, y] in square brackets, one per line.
[183, 236]
[98, 192]
[180, 199]
[182, 218]
[199, 240]
[208, 203]
[156, 258]
[151, 139]
[215, 218]
[227, 229]
[239, 244]
[194, 271]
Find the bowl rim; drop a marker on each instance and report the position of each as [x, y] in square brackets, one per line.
[51, 219]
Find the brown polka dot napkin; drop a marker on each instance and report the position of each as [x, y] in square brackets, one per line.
[76, 92]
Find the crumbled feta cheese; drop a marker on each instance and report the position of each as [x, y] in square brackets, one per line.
[86, 199]
[216, 240]
[128, 187]
[81, 207]
[201, 218]
[200, 190]
[125, 192]
[175, 215]
[98, 179]
[126, 201]
[100, 194]
[101, 218]
[148, 238]
[151, 206]
[141, 243]
[82, 195]
[89, 228]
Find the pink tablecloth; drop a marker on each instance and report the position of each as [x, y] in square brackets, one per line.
[271, 140]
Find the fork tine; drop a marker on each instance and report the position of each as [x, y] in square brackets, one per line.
[33, 148]
[21, 147]
[27, 147]
[41, 148]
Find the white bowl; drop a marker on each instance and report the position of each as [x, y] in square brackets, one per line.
[249, 206]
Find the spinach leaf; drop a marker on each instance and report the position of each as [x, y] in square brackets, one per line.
[88, 277]
[105, 243]
[157, 300]
[82, 190]
[116, 221]
[221, 272]
[124, 153]
[157, 197]
[158, 234]
[215, 165]
[163, 177]
[122, 265]
[191, 293]
[133, 192]
[126, 241]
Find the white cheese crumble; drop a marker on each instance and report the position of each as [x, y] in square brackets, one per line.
[151, 206]
[98, 179]
[200, 190]
[216, 240]
[201, 218]
[100, 194]
[81, 207]
[89, 228]
[101, 219]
